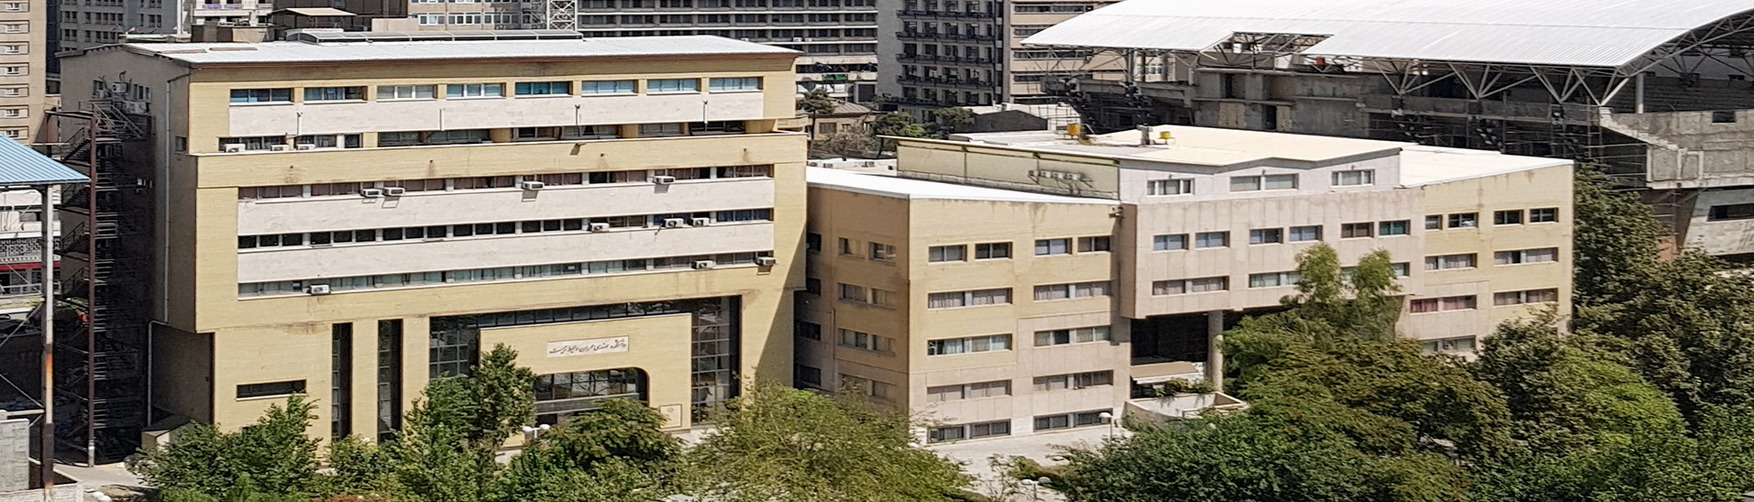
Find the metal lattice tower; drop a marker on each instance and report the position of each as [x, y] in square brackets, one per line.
[560, 14]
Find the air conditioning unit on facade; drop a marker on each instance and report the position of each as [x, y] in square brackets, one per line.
[663, 180]
[766, 261]
[703, 264]
[371, 193]
[318, 289]
[531, 185]
[234, 148]
[599, 227]
[306, 146]
[672, 222]
[394, 191]
[280, 148]
[700, 222]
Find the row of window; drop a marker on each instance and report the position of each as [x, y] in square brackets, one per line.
[1505, 217]
[498, 90]
[368, 282]
[1257, 182]
[474, 182]
[503, 228]
[1469, 302]
[1499, 258]
[958, 432]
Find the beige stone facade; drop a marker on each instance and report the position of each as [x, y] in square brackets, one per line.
[348, 224]
[1125, 256]
[23, 43]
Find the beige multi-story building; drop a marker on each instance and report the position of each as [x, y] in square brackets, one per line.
[1031, 281]
[350, 219]
[970, 53]
[23, 59]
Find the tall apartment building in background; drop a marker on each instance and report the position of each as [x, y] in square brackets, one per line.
[1033, 282]
[90, 23]
[969, 52]
[349, 219]
[23, 56]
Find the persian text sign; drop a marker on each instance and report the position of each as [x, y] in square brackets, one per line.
[590, 347]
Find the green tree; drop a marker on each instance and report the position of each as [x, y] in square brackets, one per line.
[503, 395]
[778, 444]
[1243, 457]
[360, 468]
[433, 456]
[899, 124]
[950, 119]
[1615, 242]
[273, 452]
[613, 454]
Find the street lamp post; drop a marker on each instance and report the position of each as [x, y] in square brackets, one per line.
[1110, 418]
[531, 433]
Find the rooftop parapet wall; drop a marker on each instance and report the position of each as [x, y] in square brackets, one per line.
[1700, 149]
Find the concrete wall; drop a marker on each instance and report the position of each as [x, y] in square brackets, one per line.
[15, 470]
[1722, 237]
[1695, 149]
[63, 493]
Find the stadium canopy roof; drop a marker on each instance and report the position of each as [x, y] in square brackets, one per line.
[1558, 33]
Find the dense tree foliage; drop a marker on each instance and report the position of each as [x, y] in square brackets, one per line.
[778, 444]
[205, 463]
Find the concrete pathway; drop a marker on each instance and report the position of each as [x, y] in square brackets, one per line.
[1042, 448]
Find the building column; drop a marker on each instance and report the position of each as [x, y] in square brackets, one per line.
[1215, 350]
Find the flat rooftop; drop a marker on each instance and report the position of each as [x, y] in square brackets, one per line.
[1220, 148]
[325, 52]
[1199, 146]
[915, 189]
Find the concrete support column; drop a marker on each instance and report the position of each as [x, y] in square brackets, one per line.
[1638, 87]
[1215, 350]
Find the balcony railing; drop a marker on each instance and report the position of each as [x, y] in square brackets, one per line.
[935, 58]
[944, 81]
[933, 35]
[948, 14]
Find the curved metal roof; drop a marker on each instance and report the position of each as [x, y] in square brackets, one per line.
[1601, 33]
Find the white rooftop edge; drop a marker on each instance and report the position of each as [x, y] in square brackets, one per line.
[914, 189]
[378, 51]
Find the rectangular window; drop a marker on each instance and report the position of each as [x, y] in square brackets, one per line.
[1434, 222]
[1445, 304]
[659, 130]
[813, 242]
[808, 375]
[406, 91]
[474, 90]
[978, 390]
[270, 389]
[1399, 227]
[542, 88]
[606, 87]
[863, 340]
[1266, 236]
[1070, 420]
[1464, 220]
[734, 84]
[1263, 182]
[1355, 230]
[1046, 247]
[1071, 336]
[1354, 178]
[992, 251]
[969, 431]
[1306, 233]
[1538, 255]
[1169, 187]
[351, 93]
[1274, 279]
[1070, 291]
[1551, 214]
[1447, 345]
[1522, 297]
[846, 247]
[1093, 244]
[1074, 381]
[1450, 261]
[882, 252]
[968, 298]
[261, 95]
[1729, 212]
[1204, 240]
[968, 345]
[808, 330]
[939, 254]
[340, 380]
[1511, 217]
[661, 85]
[1175, 242]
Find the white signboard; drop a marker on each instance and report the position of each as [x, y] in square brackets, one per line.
[590, 347]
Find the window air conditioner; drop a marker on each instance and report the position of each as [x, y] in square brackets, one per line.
[394, 191]
[531, 185]
[766, 261]
[599, 227]
[318, 289]
[234, 148]
[307, 146]
[371, 192]
[672, 222]
[663, 180]
[700, 222]
[280, 148]
[703, 264]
